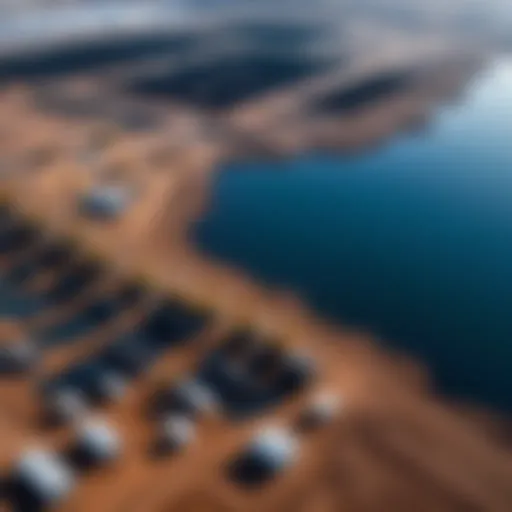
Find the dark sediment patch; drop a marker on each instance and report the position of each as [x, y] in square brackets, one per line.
[374, 89]
[277, 35]
[77, 57]
[221, 84]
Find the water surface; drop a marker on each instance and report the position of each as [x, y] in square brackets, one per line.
[413, 241]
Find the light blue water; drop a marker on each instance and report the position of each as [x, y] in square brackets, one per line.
[413, 241]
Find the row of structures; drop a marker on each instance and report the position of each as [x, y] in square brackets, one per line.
[147, 360]
[244, 375]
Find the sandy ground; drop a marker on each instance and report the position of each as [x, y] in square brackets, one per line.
[394, 446]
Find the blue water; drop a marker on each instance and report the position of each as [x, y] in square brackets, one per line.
[413, 241]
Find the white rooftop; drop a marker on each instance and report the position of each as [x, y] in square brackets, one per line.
[279, 446]
[100, 439]
[67, 404]
[106, 201]
[113, 385]
[326, 404]
[48, 476]
[199, 395]
[178, 430]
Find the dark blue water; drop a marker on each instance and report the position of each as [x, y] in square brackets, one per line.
[413, 241]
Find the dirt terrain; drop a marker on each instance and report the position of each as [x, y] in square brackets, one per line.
[392, 446]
